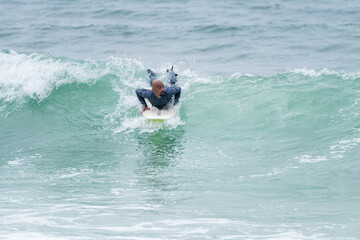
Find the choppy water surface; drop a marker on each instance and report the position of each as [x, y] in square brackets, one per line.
[265, 145]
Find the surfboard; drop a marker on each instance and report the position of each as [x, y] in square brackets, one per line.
[156, 114]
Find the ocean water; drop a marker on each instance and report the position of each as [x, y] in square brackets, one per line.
[265, 145]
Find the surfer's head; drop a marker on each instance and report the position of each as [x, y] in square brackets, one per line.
[158, 88]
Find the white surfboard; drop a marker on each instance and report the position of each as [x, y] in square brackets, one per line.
[156, 114]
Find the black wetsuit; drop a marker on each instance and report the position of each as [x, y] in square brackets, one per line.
[169, 92]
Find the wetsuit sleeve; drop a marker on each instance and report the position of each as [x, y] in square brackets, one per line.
[140, 93]
[177, 96]
[175, 90]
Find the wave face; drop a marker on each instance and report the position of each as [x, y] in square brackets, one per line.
[258, 157]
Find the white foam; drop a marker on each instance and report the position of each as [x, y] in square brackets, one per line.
[28, 218]
[238, 75]
[32, 236]
[273, 173]
[74, 173]
[316, 73]
[181, 222]
[337, 151]
[21, 161]
[146, 126]
[311, 159]
[125, 120]
[222, 154]
[341, 147]
[16, 162]
[291, 235]
[71, 175]
[130, 124]
[312, 72]
[283, 235]
[36, 75]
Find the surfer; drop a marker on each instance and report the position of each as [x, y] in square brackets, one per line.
[160, 95]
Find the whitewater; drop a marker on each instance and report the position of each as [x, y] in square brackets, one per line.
[265, 145]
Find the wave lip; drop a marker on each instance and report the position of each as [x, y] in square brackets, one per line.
[36, 75]
[324, 72]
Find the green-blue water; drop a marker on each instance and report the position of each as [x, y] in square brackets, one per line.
[268, 153]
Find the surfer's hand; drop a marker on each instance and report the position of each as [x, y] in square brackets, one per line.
[145, 108]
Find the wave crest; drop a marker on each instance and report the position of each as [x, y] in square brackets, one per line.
[36, 75]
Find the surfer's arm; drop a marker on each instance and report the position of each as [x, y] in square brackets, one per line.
[176, 98]
[140, 94]
[176, 91]
[145, 109]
